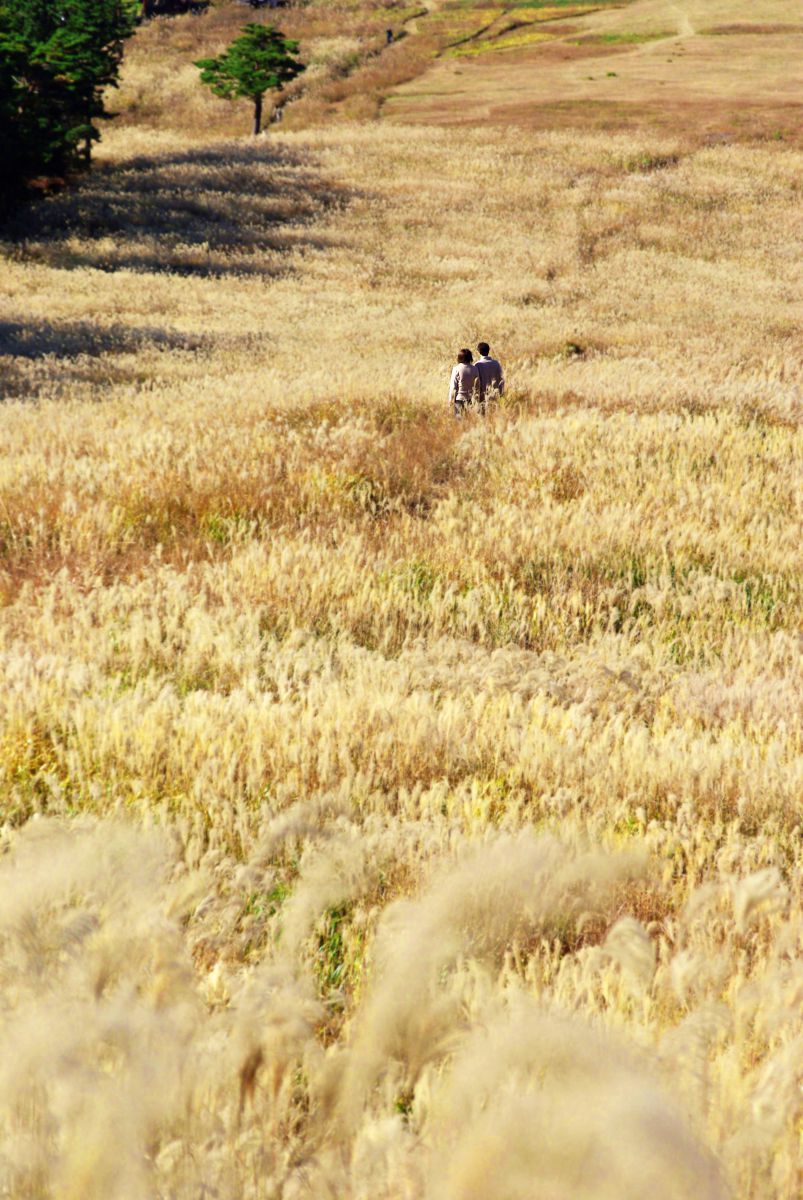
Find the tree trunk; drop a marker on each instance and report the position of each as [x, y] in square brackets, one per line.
[147, 9]
[257, 115]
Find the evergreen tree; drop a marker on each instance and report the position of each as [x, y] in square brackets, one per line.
[170, 8]
[259, 61]
[13, 143]
[83, 55]
[56, 59]
[29, 144]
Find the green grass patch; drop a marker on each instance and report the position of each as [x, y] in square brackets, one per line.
[542, 4]
[267, 903]
[620, 39]
[486, 46]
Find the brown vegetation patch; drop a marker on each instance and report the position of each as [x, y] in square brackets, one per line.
[751, 28]
[699, 121]
[562, 52]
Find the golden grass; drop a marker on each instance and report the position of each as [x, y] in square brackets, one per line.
[350, 67]
[396, 806]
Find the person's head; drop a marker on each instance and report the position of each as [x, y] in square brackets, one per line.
[464, 356]
[484, 349]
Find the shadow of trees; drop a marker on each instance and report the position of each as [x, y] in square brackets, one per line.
[232, 208]
[70, 339]
[58, 357]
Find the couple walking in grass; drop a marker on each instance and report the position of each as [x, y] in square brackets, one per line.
[474, 383]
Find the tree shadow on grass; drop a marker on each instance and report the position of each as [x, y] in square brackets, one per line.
[57, 358]
[70, 339]
[229, 209]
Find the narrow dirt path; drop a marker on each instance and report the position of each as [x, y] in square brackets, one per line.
[410, 24]
[685, 30]
[685, 27]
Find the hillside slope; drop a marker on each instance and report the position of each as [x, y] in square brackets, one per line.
[727, 69]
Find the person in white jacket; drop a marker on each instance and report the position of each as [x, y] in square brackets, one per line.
[465, 385]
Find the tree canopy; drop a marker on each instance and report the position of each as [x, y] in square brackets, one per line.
[260, 60]
[169, 8]
[57, 57]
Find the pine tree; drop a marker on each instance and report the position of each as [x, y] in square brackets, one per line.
[31, 136]
[171, 8]
[56, 59]
[83, 54]
[14, 145]
[259, 61]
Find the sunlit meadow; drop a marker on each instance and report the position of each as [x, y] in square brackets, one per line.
[396, 807]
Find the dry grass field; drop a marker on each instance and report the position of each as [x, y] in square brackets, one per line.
[396, 807]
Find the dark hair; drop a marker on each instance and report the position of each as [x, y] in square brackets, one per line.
[483, 347]
[465, 356]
